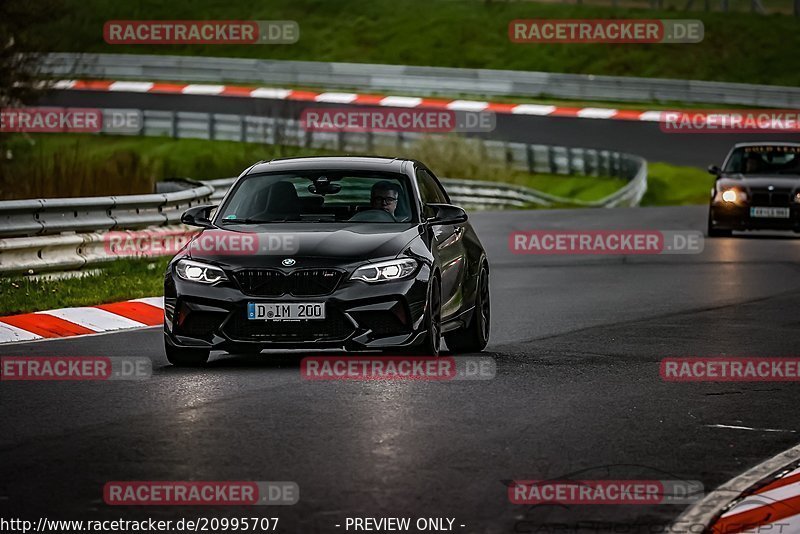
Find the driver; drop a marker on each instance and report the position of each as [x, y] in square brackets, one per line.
[384, 195]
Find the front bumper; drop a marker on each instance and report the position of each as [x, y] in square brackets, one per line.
[735, 217]
[359, 316]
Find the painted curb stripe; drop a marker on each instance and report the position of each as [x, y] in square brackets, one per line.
[46, 325]
[379, 100]
[68, 322]
[10, 334]
[136, 311]
[95, 319]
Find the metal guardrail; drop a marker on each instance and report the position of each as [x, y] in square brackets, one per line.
[530, 158]
[52, 216]
[421, 81]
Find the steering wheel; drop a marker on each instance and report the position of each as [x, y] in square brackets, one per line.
[373, 215]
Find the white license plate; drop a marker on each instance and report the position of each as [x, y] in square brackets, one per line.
[772, 213]
[287, 311]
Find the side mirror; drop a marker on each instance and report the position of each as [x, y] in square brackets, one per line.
[446, 214]
[198, 216]
[713, 169]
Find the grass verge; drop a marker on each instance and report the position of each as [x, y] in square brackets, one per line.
[69, 165]
[120, 280]
[738, 47]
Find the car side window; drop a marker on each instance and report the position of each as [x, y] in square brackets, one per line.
[430, 191]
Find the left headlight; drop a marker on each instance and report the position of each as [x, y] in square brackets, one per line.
[194, 271]
[386, 270]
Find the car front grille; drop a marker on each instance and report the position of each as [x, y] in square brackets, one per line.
[772, 198]
[301, 283]
[334, 327]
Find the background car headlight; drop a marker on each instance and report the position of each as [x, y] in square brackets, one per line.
[385, 270]
[194, 271]
[732, 195]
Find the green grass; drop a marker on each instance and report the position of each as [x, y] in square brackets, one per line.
[67, 165]
[120, 280]
[673, 185]
[54, 165]
[738, 47]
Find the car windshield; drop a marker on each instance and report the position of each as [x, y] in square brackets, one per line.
[319, 196]
[764, 159]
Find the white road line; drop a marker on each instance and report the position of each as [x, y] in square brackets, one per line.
[596, 113]
[467, 105]
[269, 92]
[341, 98]
[651, 116]
[135, 87]
[734, 427]
[64, 84]
[94, 319]
[201, 89]
[532, 109]
[10, 334]
[158, 302]
[401, 101]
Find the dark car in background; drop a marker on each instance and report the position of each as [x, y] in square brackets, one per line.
[356, 253]
[757, 188]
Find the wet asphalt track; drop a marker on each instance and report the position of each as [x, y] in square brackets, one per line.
[641, 138]
[577, 340]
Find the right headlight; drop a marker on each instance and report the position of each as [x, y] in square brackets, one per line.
[386, 270]
[731, 195]
[195, 271]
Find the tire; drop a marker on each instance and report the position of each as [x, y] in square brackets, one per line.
[475, 336]
[432, 344]
[183, 357]
[716, 232]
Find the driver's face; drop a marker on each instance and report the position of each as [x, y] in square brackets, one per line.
[385, 199]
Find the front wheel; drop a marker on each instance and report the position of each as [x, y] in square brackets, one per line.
[475, 336]
[433, 322]
[183, 357]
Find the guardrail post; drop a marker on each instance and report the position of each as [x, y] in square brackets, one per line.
[570, 166]
[242, 129]
[211, 125]
[551, 160]
[173, 124]
[531, 158]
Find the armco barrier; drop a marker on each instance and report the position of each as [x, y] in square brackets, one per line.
[421, 81]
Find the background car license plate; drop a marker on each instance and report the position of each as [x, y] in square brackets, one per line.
[285, 311]
[775, 213]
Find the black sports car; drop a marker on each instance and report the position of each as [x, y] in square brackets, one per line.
[359, 253]
[758, 187]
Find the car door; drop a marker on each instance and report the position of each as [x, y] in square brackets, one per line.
[448, 242]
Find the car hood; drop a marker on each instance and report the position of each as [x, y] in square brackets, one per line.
[761, 182]
[270, 244]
